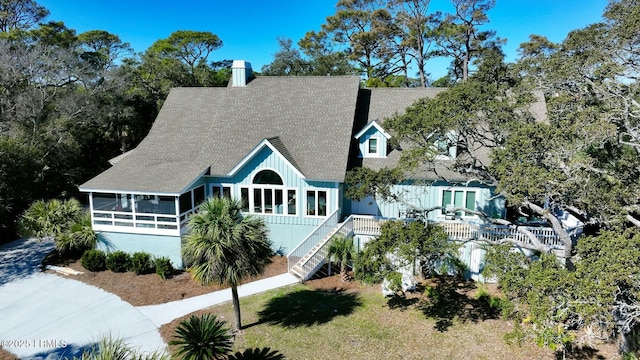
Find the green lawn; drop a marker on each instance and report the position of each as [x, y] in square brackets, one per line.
[304, 323]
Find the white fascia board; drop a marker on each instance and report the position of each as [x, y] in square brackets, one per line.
[377, 126]
[252, 153]
[111, 191]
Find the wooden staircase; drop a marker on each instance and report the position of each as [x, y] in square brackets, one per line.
[315, 258]
[309, 256]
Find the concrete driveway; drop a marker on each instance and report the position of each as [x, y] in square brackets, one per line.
[45, 316]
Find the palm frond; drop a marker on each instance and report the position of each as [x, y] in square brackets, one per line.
[203, 337]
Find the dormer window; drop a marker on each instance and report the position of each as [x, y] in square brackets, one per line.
[372, 148]
[372, 141]
[445, 146]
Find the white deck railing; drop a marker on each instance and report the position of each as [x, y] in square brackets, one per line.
[137, 220]
[460, 231]
[311, 254]
[366, 225]
[545, 235]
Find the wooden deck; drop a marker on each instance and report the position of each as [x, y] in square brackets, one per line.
[310, 254]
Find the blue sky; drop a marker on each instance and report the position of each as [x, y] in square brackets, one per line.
[249, 28]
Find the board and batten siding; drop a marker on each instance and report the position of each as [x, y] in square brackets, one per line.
[428, 196]
[286, 231]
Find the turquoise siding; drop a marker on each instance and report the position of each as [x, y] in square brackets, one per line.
[195, 184]
[382, 141]
[156, 245]
[285, 238]
[428, 196]
[286, 231]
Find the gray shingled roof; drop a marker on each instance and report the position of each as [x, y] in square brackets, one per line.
[387, 102]
[200, 129]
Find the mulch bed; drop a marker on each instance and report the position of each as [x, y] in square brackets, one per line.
[150, 289]
[5, 355]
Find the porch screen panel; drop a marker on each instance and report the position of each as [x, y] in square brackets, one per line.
[185, 202]
[198, 195]
[112, 202]
[470, 201]
[151, 204]
[167, 205]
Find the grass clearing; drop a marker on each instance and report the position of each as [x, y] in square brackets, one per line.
[303, 322]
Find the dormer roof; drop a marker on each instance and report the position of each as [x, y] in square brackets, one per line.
[370, 124]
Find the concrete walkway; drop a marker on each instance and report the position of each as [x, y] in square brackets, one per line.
[46, 316]
[165, 313]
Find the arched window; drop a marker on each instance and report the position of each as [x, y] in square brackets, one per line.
[267, 177]
[268, 195]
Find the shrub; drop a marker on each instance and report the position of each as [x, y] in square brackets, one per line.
[395, 281]
[118, 261]
[163, 267]
[94, 260]
[141, 263]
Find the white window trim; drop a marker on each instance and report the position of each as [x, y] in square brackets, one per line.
[328, 203]
[221, 186]
[368, 144]
[452, 148]
[364, 148]
[464, 197]
[285, 193]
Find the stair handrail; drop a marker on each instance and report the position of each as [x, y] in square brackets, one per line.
[318, 257]
[313, 238]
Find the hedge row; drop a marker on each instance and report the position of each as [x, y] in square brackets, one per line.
[120, 261]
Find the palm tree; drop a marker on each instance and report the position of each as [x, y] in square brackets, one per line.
[203, 337]
[63, 221]
[223, 246]
[341, 250]
[48, 219]
[79, 237]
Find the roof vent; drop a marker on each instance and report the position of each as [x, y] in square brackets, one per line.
[240, 73]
